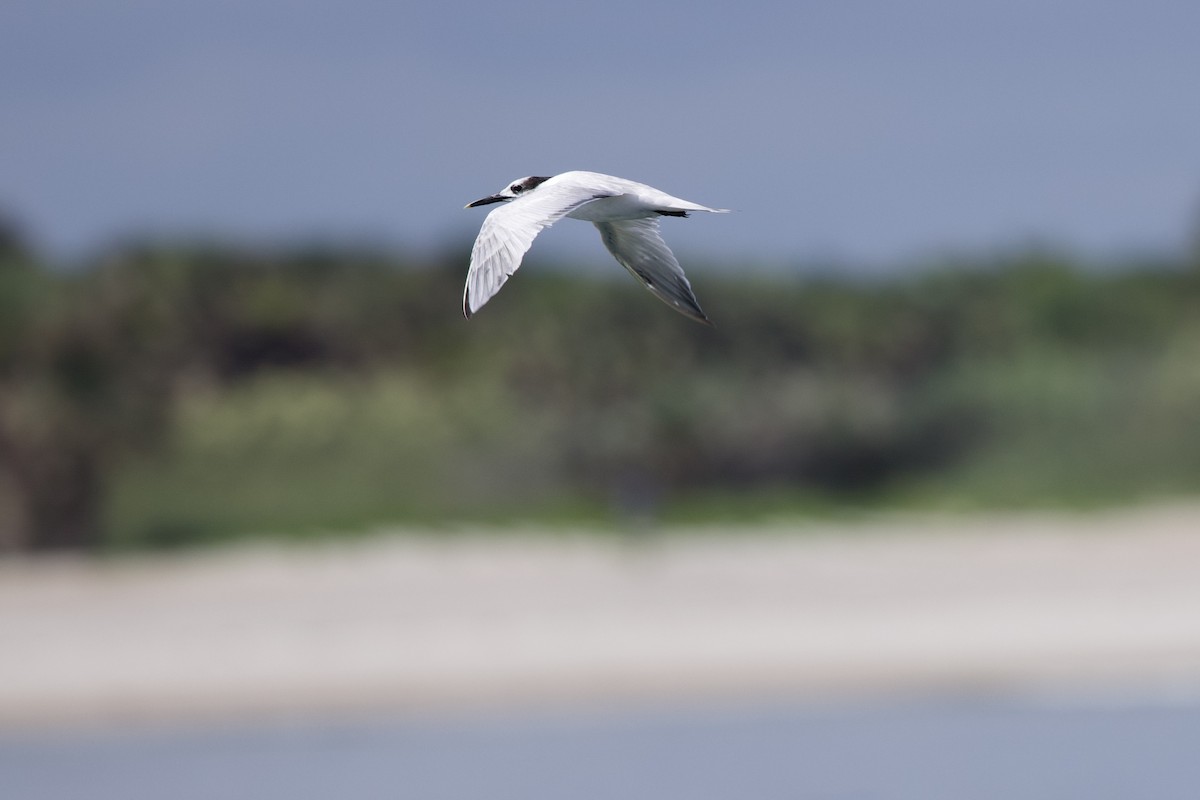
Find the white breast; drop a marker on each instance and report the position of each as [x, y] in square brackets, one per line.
[613, 209]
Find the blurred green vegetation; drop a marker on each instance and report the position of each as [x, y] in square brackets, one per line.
[171, 395]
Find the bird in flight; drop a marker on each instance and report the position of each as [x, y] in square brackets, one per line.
[625, 212]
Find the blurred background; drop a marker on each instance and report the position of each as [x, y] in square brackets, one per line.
[963, 279]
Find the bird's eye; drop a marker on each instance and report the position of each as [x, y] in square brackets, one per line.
[516, 188]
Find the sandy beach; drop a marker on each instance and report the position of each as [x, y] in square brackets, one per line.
[413, 621]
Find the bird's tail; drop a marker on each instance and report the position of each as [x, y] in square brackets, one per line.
[682, 207]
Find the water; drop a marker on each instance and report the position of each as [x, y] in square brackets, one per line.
[960, 750]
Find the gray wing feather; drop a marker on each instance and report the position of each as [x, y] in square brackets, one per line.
[638, 247]
[505, 237]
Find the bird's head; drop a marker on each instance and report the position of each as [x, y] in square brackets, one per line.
[510, 192]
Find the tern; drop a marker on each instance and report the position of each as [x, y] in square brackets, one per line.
[625, 212]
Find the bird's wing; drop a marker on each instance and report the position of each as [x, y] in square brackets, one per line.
[508, 232]
[638, 248]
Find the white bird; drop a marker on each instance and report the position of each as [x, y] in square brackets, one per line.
[626, 213]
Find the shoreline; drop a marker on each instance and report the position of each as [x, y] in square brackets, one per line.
[423, 623]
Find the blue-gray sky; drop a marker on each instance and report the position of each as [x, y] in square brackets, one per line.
[852, 130]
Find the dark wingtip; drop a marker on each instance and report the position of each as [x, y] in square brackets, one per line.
[693, 312]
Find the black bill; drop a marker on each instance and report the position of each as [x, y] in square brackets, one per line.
[487, 201]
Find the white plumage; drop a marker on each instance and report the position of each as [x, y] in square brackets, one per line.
[625, 212]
